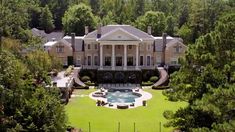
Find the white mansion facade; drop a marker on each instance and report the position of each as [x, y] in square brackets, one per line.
[117, 47]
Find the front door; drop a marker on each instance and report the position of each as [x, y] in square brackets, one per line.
[119, 61]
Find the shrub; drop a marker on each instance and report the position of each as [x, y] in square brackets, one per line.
[160, 87]
[82, 87]
[68, 71]
[147, 83]
[85, 78]
[91, 73]
[168, 114]
[89, 83]
[153, 79]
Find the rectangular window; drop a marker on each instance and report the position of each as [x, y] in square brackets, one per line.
[107, 46]
[177, 49]
[107, 61]
[129, 46]
[148, 60]
[118, 61]
[78, 63]
[141, 60]
[88, 46]
[88, 60]
[158, 60]
[130, 61]
[149, 47]
[59, 49]
[96, 60]
[174, 61]
[96, 46]
[119, 46]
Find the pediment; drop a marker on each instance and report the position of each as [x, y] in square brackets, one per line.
[119, 35]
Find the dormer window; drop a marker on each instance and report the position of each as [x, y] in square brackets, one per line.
[177, 48]
[59, 49]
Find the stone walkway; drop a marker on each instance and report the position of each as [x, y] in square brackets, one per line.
[76, 77]
[163, 77]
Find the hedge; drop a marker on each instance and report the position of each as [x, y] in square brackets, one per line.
[147, 83]
[160, 87]
[153, 79]
[81, 87]
[85, 78]
[88, 83]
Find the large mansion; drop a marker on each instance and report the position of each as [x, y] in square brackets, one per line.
[117, 47]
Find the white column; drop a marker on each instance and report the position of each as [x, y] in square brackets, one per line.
[137, 57]
[125, 57]
[113, 57]
[101, 56]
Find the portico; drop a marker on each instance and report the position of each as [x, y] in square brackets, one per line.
[125, 45]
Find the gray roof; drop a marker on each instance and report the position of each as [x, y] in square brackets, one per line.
[128, 28]
[159, 43]
[78, 42]
[53, 36]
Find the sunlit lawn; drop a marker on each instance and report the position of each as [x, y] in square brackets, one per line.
[82, 110]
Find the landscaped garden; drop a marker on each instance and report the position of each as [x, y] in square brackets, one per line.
[81, 110]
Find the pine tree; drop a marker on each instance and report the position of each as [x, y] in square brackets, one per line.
[46, 20]
[206, 81]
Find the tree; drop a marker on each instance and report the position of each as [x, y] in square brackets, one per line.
[170, 25]
[185, 33]
[14, 18]
[46, 20]
[184, 13]
[203, 15]
[206, 81]
[108, 19]
[39, 63]
[154, 19]
[25, 105]
[77, 17]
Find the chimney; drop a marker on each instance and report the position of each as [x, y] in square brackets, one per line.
[164, 35]
[149, 30]
[86, 30]
[99, 31]
[73, 41]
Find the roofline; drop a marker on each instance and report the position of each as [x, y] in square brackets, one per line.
[113, 31]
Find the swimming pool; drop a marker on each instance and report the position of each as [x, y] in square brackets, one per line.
[121, 96]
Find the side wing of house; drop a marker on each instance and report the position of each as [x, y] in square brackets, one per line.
[62, 50]
[174, 50]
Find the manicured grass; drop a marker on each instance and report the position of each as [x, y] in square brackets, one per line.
[82, 110]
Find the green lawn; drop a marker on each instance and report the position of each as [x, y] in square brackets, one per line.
[82, 110]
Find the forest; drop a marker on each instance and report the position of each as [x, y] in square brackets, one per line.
[206, 79]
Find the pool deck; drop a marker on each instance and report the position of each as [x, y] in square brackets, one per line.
[138, 101]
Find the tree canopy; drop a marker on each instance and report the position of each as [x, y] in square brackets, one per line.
[206, 80]
[154, 19]
[26, 104]
[46, 20]
[77, 17]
